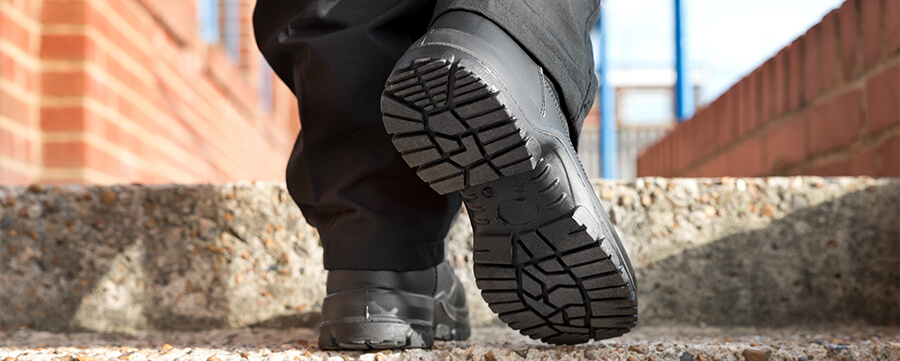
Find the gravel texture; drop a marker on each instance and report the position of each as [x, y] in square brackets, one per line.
[489, 344]
[763, 252]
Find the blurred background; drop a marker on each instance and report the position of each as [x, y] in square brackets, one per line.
[160, 91]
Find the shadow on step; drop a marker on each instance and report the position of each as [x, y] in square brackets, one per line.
[835, 262]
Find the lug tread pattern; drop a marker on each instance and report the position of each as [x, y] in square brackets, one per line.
[452, 127]
[555, 279]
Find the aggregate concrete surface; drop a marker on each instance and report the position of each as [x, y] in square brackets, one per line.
[487, 344]
[725, 251]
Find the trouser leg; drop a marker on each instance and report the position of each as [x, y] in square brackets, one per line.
[371, 211]
[370, 208]
[556, 34]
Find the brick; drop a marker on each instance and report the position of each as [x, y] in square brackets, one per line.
[718, 166]
[883, 99]
[7, 143]
[865, 163]
[66, 119]
[8, 68]
[725, 121]
[643, 166]
[687, 146]
[24, 150]
[699, 136]
[670, 159]
[891, 27]
[754, 102]
[768, 91]
[834, 168]
[871, 32]
[744, 91]
[811, 62]
[690, 173]
[68, 154]
[114, 134]
[176, 16]
[890, 158]
[787, 144]
[676, 159]
[779, 77]
[116, 70]
[15, 109]
[64, 84]
[30, 78]
[122, 10]
[835, 123]
[64, 46]
[827, 54]
[708, 129]
[63, 12]
[121, 43]
[11, 177]
[685, 151]
[131, 142]
[851, 52]
[804, 170]
[105, 163]
[746, 158]
[794, 76]
[653, 161]
[666, 149]
[14, 33]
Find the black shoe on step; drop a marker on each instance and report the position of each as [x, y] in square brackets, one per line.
[383, 309]
[473, 113]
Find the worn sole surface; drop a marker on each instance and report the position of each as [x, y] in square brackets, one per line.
[374, 336]
[546, 258]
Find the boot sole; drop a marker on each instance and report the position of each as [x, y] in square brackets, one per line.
[546, 257]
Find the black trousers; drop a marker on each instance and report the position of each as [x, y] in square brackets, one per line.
[371, 210]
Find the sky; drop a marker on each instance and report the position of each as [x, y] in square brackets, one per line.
[726, 38]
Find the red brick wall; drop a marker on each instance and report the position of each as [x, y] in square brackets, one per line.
[828, 104]
[98, 91]
[20, 141]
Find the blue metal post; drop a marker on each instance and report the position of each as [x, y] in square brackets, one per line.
[684, 89]
[208, 20]
[609, 144]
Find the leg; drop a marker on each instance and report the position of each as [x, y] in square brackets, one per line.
[556, 35]
[382, 228]
[370, 209]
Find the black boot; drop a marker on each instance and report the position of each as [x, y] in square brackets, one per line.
[472, 112]
[385, 309]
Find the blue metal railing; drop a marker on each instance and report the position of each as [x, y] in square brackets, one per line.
[684, 88]
[608, 135]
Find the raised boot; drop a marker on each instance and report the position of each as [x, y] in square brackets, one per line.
[472, 112]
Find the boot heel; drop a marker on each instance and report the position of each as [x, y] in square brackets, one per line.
[374, 335]
[380, 318]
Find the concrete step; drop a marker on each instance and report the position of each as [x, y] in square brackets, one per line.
[764, 252]
[658, 343]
